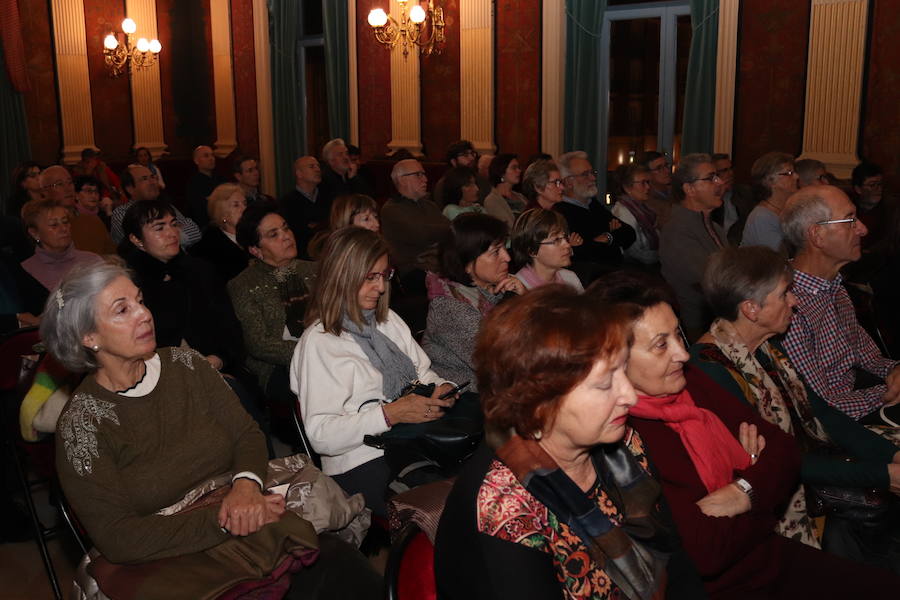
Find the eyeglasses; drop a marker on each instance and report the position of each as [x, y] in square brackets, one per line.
[661, 167]
[386, 275]
[645, 182]
[556, 182]
[557, 241]
[415, 174]
[850, 220]
[709, 178]
[585, 173]
[875, 185]
[58, 184]
[788, 173]
[467, 153]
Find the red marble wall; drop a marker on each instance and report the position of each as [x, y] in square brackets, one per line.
[440, 76]
[373, 85]
[517, 64]
[41, 103]
[110, 97]
[880, 118]
[244, 59]
[771, 88]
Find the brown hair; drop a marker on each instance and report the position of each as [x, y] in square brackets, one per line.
[348, 206]
[33, 209]
[347, 258]
[534, 349]
[531, 228]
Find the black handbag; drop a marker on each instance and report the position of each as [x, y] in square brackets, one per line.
[857, 504]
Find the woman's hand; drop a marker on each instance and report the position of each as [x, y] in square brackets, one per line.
[245, 510]
[752, 442]
[510, 284]
[215, 361]
[414, 408]
[575, 239]
[28, 320]
[727, 501]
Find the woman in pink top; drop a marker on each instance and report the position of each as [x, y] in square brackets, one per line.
[541, 246]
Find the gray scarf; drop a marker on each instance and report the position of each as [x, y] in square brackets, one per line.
[396, 368]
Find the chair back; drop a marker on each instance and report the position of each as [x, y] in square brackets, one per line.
[409, 574]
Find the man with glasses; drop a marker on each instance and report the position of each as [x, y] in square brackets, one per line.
[462, 154]
[88, 231]
[605, 237]
[305, 208]
[811, 172]
[660, 200]
[737, 200]
[141, 184]
[411, 223]
[690, 237]
[825, 341]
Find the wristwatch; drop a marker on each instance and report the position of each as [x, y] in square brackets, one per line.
[745, 487]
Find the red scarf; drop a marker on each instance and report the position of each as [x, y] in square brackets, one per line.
[716, 453]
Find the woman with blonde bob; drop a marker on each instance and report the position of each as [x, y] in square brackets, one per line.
[350, 209]
[219, 246]
[353, 363]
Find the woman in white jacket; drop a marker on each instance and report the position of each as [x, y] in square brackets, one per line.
[352, 363]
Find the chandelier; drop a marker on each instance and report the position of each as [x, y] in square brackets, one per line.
[126, 53]
[423, 27]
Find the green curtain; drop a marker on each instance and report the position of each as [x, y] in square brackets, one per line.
[700, 93]
[584, 21]
[287, 106]
[15, 147]
[336, 68]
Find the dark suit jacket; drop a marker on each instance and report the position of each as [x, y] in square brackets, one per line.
[305, 218]
[227, 258]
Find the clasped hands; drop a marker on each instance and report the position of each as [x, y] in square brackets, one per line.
[246, 509]
[413, 408]
[729, 500]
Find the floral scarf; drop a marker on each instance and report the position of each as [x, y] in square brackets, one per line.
[772, 406]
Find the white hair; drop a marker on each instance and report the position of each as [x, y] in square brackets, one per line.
[332, 145]
[564, 160]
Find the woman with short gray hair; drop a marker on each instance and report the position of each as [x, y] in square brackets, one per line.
[774, 180]
[748, 290]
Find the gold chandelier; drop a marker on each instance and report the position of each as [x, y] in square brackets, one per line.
[128, 54]
[423, 27]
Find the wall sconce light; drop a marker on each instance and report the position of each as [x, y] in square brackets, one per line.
[128, 54]
[423, 27]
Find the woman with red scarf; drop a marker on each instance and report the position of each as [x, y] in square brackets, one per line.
[727, 473]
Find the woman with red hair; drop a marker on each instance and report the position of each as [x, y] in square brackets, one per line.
[562, 503]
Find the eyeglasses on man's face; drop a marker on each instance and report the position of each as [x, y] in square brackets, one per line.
[877, 184]
[385, 275]
[788, 173]
[851, 220]
[58, 184]
[415, 174]
[585, 174]
[711, 178]
[467, 154]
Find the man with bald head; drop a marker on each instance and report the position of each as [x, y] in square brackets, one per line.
[140, 184]
[201, 184]
[88, 231]
[305, 208]
[411, 222]
[825, 341]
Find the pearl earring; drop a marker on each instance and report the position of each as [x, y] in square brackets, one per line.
[537, 434]
[95, 348]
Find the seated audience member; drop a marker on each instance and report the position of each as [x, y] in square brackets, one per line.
[737, 200]
[269, 298]
[88, 201]
[561, 503]
[140, 435]
[245, 170]
[810, 172]
[825, 341]
[774, 180]
[339, 174]
[462, 154]
[88, 231]
[26, 185]
[352, 209]
[143, 157]
[540, 244]
[542, 184]
[749, 292]
[188, 301]
[662, 196]
[631, 209]
[201, 184]
[219, 244]
[460, 193]
[411, 223]
[690, 236]
[92, 164]
[484, 167]
[605, 237]
[354, 361]
[474, 277]
[22, 296]
[359, 167]
[726, 473]
[876, 214]
[504, 202]
[304, 208]
[140, 184]
[47, 223]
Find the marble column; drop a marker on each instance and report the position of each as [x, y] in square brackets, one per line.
[476, 57]
[264, 96]
[223, 78]
[553, 73]
[146, 95]
[726, 71]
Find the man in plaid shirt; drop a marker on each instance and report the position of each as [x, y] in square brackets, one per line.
[825, 341]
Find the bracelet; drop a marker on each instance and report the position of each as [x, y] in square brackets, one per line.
[386, 420]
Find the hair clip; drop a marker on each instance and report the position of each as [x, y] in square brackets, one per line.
[59, 299]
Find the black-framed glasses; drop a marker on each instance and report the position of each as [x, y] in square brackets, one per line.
[587, 173]
[850, 220]
[468, 153]
[58, 184]
[385, 275]
[557, 182]
[415, 173]
[788, 173]
[710, 178]
[557, 241]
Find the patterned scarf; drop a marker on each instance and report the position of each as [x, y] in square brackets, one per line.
[645, 218]
[772, 406]
[472, 295]
[716, 453]
[396, 368]
[634, 554]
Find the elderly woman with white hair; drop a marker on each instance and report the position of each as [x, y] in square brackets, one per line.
[144, 429]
